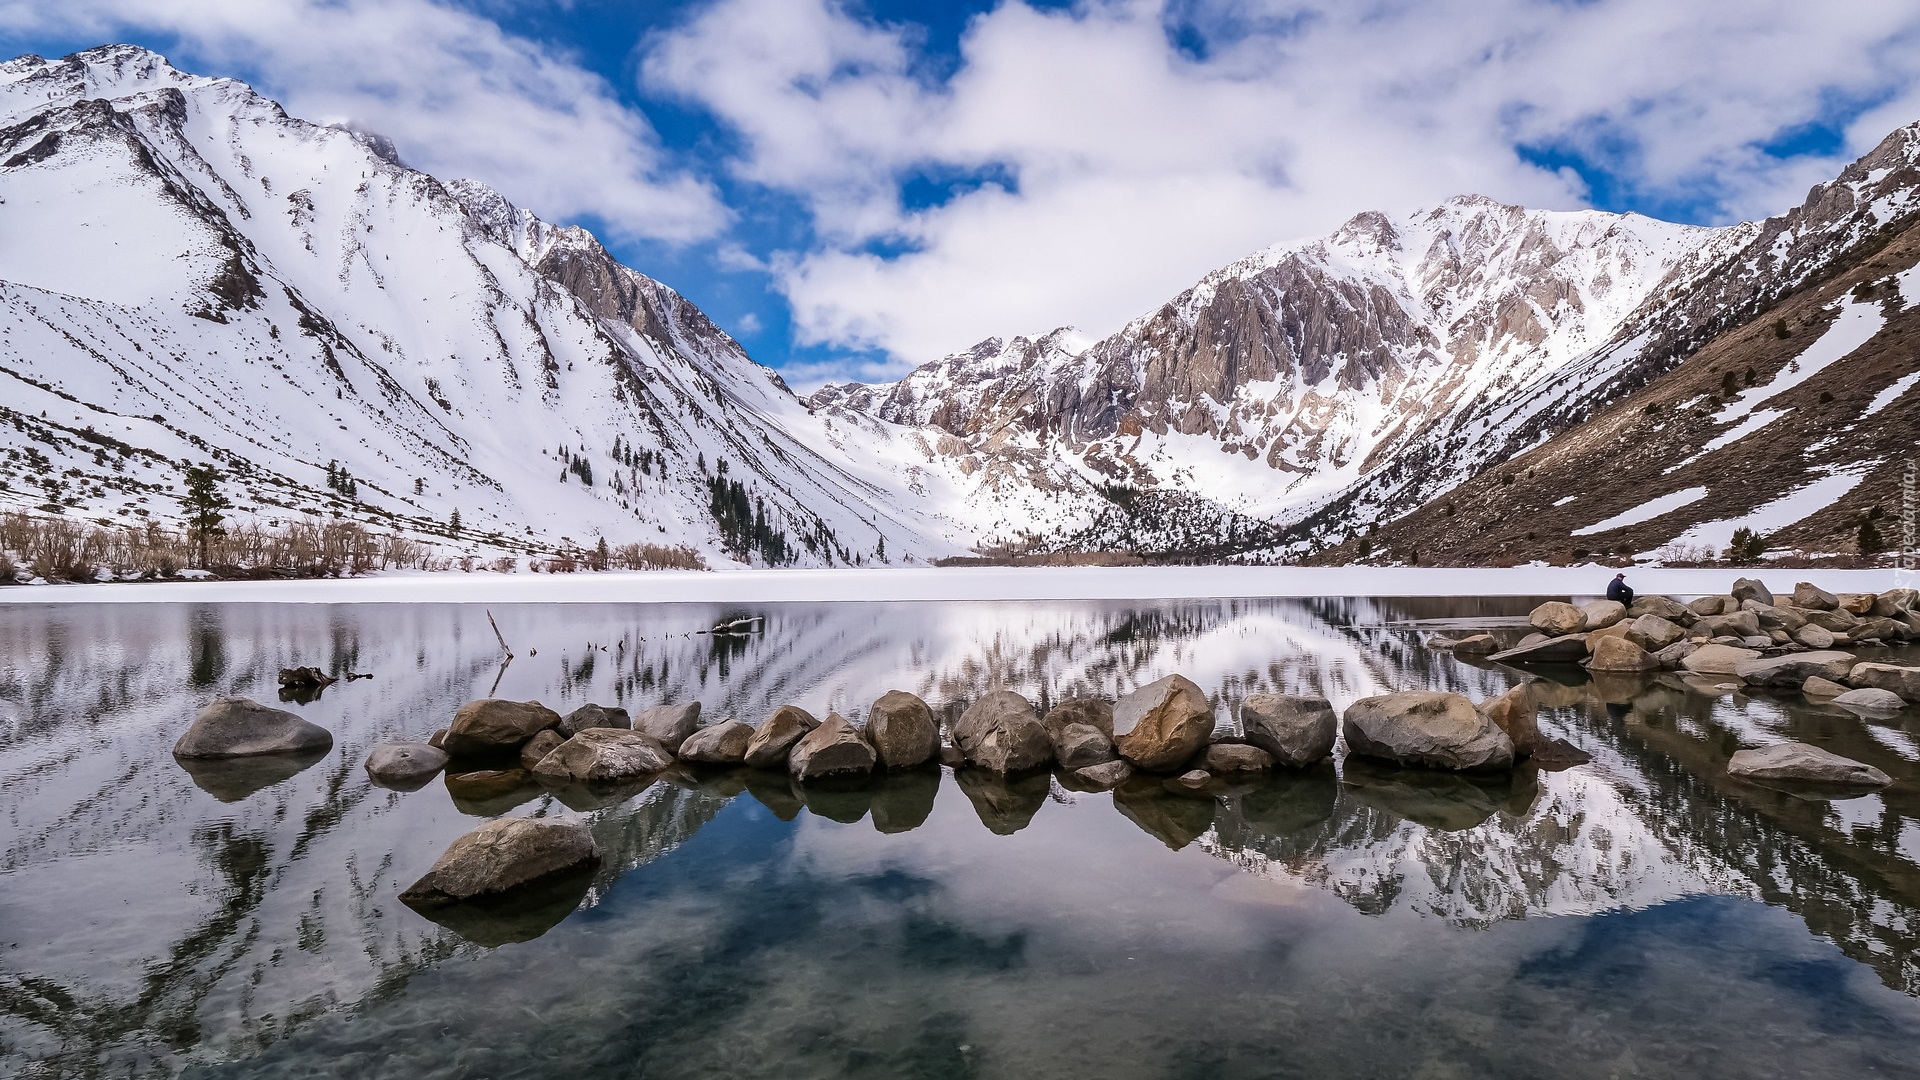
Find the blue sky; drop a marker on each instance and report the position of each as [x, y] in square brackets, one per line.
[854, 187]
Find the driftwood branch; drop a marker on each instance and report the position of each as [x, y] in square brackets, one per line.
[504, 647]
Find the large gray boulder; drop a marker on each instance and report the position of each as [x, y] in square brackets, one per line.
[835, 748]
[1899, 678]
[1654, 632]
[492, 726]
[1741, 624]
[1103, 777]
[775, 736]
[1871, 698]
[724, 743]
[1556, 618]
[1751, 589]
[1794, 669]
[237, 727]
[502, 856]
[1093, 712]
[669, 725]
[1295, 731]
[1001, 733]
[1798, 762]
[404, 764]
[1161, 725]
[593, 716]
[1429, 728]
[1811, 597]
[1717, 659]
[902, 730]
[1599, 614]
[1709, 605]
[597, 755]
[1077, 746]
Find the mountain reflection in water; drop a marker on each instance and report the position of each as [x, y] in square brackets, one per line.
[155, 917]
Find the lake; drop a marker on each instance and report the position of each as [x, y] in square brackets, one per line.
[1639, 916]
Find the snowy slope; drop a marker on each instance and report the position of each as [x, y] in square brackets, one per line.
[189, 275]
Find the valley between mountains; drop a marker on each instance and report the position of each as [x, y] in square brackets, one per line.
[190, 276]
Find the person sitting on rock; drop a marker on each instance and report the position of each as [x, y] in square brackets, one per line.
[1617, 589]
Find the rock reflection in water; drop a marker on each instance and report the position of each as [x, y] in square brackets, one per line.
[1447, 801]
[1176, 819]
[1006, 804]
[492, 792]
[519, 916]
[235, 779]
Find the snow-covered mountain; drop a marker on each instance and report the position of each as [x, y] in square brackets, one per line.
[190, 275]
[1284, 379]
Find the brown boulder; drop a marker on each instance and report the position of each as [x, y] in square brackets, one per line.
[724, 743]
[1093, 712]
[237, 727]
[835, 748]
[1518, 715]
[1001, 733]
[542, 744]
[1556, 618]
[502, 856]
[1811, 597]
[593, 716]
[902, 730]
[1079, 745]
[669, 725]
[1898, 678]
[1295, 731]
[602, 754]
[776, 735]
[1161, 725]
[1800, 763]
[1429, 728]
[1226, 758]
[1653, 632]
[1619, 654]
[494, 726]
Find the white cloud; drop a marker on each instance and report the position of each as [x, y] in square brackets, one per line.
[459, 96]
[1137, 167]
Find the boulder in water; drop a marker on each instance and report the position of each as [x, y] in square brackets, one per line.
[494, 726]
[603, 754]
[1794, 669]
[237, 727]
[1873, 699]
[724, 743]
[1798, 762]
[1713, 659]
[404, 764]
[1228, 758]
[775, 736]
[835, 748]
[1077, 746]
[669, 725]
[1296, 731]
[1476, 645]
[1518, 715]
[538, 747]
[1620, 654]
[1161, 725]
[902, 730]
[1898, 678]
[502, 856]
[593, 716]
[1001, 733]
[1557, 618]
[1103, 777]
[1428, 728]
[1094, 712]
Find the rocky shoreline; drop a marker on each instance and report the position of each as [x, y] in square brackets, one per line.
[1157, 742]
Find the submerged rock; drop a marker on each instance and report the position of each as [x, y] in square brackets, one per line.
[1077, 746]
[776, 735]
[1296, 731]
[1798, 762]
[1817, 687]
[1001, 733]
[1103, 777]
[1541, 649]
[1872, 698]
[1228, 758]
[504, 855]
[404, 764]
[902, 730]
[237, 727]
[1161, 725]
[493, 726]
[1428, 728]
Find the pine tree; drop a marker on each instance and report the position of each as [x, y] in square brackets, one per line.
[205, 507]
[453, 521]
[1870, 540]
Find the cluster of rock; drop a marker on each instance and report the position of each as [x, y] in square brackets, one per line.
[1779, 642]
[1765, 641]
